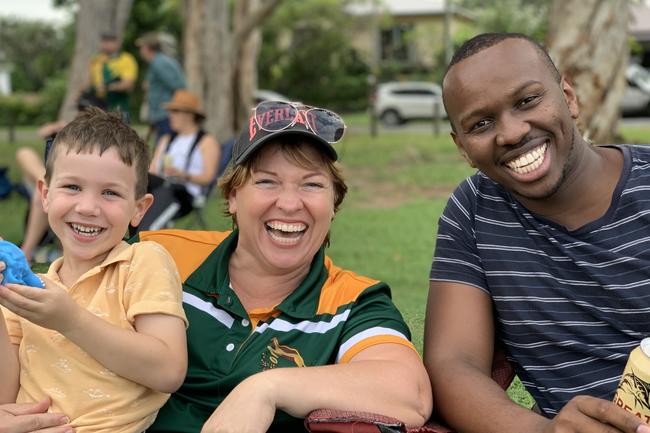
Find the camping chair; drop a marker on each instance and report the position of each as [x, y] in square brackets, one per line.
[337, 421]
[198, 205]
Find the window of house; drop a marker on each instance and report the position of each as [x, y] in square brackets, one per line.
[396, 43]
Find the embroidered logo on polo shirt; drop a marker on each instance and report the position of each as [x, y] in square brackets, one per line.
[277, 351]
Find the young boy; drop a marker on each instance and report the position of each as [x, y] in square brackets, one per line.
[105, 338]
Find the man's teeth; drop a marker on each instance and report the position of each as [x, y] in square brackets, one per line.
[85, 230]
[529, 161]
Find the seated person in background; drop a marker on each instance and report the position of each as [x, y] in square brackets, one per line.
[184, 165]
[36, 226]
[546, 248]
[105, 338]
[32, 169]
[276, 329]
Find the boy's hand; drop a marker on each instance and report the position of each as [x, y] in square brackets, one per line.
[51, 307]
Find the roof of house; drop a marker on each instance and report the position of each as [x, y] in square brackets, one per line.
[639, 26]
[399, 7]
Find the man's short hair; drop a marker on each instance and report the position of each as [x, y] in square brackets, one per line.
[94, 129]
[108, 36]
[151, 40]
[486, 40]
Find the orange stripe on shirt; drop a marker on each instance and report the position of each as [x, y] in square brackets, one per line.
[372, 341]
[342, 287]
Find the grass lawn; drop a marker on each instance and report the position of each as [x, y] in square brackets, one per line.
[399, 184]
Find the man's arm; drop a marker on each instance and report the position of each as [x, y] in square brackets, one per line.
[169, 75]
[122, 85]
[458, 351]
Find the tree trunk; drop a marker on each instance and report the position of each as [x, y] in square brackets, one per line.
[217, 69]
[193, 45]
[228, 58]
[587, 39]
[245, 65]
[93, 18]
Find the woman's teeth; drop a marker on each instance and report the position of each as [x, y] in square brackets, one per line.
[529, 161]
[286, 233]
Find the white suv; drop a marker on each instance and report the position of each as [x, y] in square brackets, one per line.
[399, 101]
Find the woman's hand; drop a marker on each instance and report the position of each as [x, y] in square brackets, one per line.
[170, 171]
[50, 307]
[32, 418]
[249, 408]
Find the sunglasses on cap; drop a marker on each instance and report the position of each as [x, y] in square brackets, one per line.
[272, 116]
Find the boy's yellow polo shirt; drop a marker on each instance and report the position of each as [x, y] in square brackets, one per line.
[134, 279]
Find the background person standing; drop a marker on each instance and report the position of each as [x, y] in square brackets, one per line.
[113, 73]
[164, 77]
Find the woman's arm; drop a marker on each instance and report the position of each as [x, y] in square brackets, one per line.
[157, 160]
[386, 378]
[32, 418]
[9, 366]
[210, 154]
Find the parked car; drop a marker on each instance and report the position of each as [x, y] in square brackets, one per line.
[399, 101]
[636, 99]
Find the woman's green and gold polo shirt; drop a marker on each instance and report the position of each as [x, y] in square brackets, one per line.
[330, 317]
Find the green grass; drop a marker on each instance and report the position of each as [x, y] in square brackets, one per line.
[399, 184]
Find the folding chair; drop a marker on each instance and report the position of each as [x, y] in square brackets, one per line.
[337, 421]
[198, 205]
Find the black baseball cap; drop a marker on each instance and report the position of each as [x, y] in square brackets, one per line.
[253, 137]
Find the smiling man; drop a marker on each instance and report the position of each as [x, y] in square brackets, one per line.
[545, 250]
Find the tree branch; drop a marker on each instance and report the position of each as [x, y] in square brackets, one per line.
[253, 20]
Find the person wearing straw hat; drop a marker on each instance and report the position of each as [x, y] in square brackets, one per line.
[184, 164]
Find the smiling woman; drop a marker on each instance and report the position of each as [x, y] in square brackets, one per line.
[265, 296]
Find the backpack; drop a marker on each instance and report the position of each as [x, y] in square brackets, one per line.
[5, 183]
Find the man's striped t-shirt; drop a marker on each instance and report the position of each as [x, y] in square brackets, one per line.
[569, 305]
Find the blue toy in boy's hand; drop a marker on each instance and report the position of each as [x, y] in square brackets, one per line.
[17, 270]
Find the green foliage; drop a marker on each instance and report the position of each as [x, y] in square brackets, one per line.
[520, 16]
[18, 109]
[307, 56]
[33, 108]
[37, 51]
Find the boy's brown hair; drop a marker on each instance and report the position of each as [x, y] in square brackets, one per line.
[95, 129]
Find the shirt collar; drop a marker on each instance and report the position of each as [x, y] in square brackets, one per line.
[120, 252]
[212, 278]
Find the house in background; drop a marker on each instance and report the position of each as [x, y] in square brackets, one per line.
[407, 36]
[639, 30]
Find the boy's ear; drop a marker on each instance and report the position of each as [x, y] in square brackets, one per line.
[461, 149]
[141, 206]
[44, 192]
